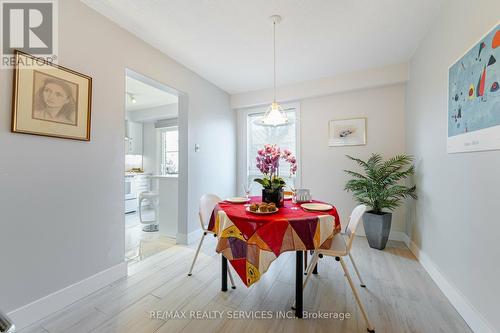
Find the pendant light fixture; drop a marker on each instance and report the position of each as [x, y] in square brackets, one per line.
[275, 115]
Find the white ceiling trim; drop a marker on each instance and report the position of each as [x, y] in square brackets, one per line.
[371, 78]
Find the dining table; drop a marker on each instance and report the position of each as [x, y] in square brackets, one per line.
[251, 242]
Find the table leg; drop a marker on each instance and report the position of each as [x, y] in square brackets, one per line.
[305, 262]
[299, 272]
[224, 274]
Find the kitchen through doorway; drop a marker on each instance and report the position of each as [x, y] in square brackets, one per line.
[151, 167]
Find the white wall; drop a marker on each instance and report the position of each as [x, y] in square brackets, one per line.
[61, 203]
[322, 166]
[156, 113]
[342, 83]
[454, 225]
[150, 151]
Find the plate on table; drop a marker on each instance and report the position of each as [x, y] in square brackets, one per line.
[317, 207]
[238, 200]
[262, 213]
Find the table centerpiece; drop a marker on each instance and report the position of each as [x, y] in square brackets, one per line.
[268, 162]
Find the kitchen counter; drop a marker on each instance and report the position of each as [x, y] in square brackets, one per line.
[164, 176]
[167, 188]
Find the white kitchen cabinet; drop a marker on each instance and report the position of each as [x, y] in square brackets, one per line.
[133, 141]
[142, 183]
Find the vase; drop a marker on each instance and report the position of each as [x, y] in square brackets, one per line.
[275, 196]
[377, 229]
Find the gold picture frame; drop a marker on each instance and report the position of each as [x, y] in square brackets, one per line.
[50, 100]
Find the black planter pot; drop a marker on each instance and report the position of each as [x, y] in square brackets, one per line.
[275, 196]
[377, 229]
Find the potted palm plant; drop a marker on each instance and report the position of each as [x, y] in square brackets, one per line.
[379, 187]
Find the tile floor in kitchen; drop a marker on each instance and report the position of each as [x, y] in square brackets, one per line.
[135, 238]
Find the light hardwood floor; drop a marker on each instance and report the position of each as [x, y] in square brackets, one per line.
[151, 242]
[400, 297]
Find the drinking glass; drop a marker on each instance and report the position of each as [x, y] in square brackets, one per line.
[247, 187]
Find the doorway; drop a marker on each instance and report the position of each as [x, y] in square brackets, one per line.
[152, 166]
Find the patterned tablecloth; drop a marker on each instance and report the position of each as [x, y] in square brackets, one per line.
[251, 242]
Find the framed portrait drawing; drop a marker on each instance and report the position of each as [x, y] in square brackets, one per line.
[50, 100]
[347, 132]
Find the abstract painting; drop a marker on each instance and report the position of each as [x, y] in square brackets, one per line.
[474, 97]
[347, 132]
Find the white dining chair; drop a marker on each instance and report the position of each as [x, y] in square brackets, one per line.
[340, 248]
[207, 205]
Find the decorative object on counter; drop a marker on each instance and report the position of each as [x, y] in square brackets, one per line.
[473, 92]
[347, 132]
[136, 170]
[380, 188]
[268, 162]
[50, 100]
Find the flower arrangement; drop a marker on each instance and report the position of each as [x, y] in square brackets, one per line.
[268, 162]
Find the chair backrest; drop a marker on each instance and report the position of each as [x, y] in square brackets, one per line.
[207, 205]
[353, 224]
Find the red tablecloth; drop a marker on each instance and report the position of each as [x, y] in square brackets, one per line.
[251, 242]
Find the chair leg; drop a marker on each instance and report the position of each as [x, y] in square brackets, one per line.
[310, 268]
[197, 252]
[356, 295]
[362, 284]
[233, 286]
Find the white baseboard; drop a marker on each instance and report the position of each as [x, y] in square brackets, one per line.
[186, 239]
[394, 235]
[471, 316]
[398, 236]
[45, 306]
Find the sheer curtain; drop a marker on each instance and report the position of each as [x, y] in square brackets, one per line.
[257, 136]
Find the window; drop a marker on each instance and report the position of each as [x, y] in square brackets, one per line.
[283, 136]
[169, 151]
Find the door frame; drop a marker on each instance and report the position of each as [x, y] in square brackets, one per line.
[183, 109]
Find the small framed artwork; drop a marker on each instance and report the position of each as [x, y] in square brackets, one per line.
[347, 132]
[50, 100]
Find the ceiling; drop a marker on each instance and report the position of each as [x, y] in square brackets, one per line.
[146, 96]
[229, 42]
